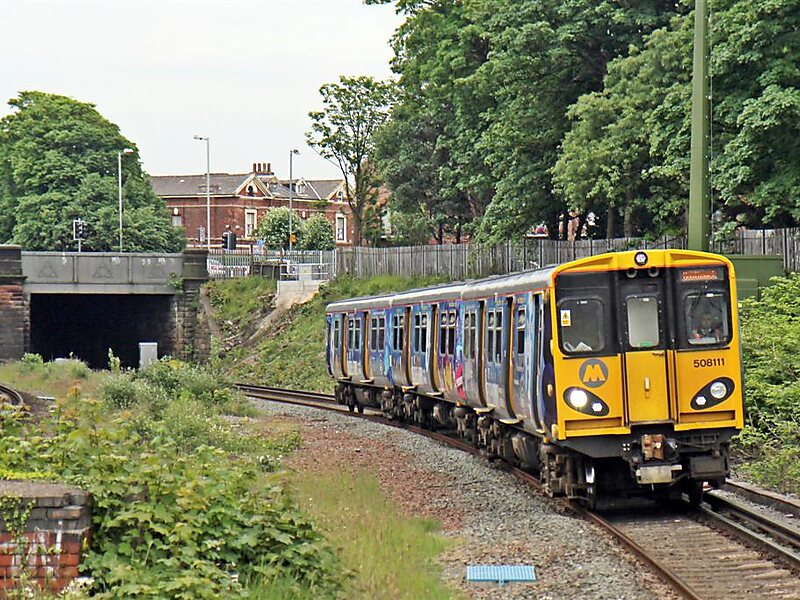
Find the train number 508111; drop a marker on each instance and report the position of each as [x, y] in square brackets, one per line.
[708, 362]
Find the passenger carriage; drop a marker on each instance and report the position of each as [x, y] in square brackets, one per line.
[597, 372]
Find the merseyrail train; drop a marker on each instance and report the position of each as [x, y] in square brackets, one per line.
[613, 375]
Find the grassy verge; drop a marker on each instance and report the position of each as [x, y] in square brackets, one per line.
[388, 554]
[186, 498]
[294, 355]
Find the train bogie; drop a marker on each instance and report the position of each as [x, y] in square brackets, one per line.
[618, 372]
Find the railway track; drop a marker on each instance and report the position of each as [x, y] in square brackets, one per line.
[724, 549]
[11, 395]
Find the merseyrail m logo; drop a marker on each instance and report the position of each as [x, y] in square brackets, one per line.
[593, 373]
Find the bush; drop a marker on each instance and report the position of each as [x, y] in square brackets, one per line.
[173, 516]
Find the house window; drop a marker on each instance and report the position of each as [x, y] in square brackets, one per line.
[340, 196]
[177, 221]
[301, 187]
[249, 222]
[341, 228]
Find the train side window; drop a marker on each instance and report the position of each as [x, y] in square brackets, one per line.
[498, 332]
[373, 333]
[521, 323]
[417, 332]
[401, 319]
[350, 333]
[451, 332]
[423, 345]
[357, 335]
[381, 333]
[490, 336]
[336, 334]
[443, 333]
[643, 322]
[581, 326]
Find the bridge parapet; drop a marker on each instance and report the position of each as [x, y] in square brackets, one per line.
[102, 272]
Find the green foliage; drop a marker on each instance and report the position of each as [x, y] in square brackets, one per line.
[344, 133]
[58, 162]
[238, 301]
[770, 337]
[184, 504]
[274, 228]
[295, 356]
[317, 234]
[389, 553]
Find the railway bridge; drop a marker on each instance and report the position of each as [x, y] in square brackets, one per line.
[62, 304]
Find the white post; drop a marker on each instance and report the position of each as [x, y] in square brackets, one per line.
[207, 140]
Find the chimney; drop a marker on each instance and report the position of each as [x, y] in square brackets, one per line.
[269, 168]
[254, 168]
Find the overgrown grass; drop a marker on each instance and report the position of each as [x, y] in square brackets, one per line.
[186, 502]
[55, 379]
[389, 555]
[294, 355]
[236, 301]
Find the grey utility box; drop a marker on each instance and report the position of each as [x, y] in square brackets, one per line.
[148, 353]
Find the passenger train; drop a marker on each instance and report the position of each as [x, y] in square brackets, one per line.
[616, 374]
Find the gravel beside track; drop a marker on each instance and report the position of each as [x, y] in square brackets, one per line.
[493, 518]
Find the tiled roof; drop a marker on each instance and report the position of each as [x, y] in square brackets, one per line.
[222, 184]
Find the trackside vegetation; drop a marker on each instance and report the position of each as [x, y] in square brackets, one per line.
[187, 500]
[293, 355]
[769, 447]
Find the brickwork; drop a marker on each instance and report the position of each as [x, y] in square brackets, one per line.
[192, 333]
[46, 549]
[14, 314]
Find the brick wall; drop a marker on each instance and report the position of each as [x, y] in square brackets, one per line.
[42, 544]
[192, 333]
[14, 314]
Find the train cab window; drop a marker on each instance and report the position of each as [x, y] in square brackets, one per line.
[706, 319]
[521, 330]
[643, 322]
[581, 326]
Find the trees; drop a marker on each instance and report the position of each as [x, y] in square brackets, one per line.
[314, 233]
[343, 132]
[58, 162]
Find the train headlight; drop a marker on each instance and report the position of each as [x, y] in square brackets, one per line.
[578, 399]
[718, 390]
[640, 258]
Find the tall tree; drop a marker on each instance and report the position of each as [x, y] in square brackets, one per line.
[58, 162]
[344, 132]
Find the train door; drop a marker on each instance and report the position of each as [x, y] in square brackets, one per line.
[644, 347]
[496, 353]
[522, 351]
[337, 345]
[446, 354]
[422, 317]
[363, 326]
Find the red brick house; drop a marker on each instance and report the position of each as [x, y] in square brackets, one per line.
[239, 202]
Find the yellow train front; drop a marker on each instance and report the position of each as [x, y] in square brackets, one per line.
[646, 369]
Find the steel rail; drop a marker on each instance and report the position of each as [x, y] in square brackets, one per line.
[327, 402]
[14, 395]
[779, 538]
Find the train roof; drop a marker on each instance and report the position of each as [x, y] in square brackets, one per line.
[464, 290]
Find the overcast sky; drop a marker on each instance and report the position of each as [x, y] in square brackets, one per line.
[244, 74]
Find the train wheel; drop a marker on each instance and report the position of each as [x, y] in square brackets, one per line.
[694, 492]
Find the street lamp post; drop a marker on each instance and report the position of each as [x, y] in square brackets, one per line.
[208, 188]
[119, 173]
[291, 194]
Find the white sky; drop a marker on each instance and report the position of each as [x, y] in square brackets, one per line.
[244, 74]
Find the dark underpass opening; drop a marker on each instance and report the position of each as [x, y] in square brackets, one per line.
[86, 326]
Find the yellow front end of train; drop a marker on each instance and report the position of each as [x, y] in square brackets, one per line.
[646, 352]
